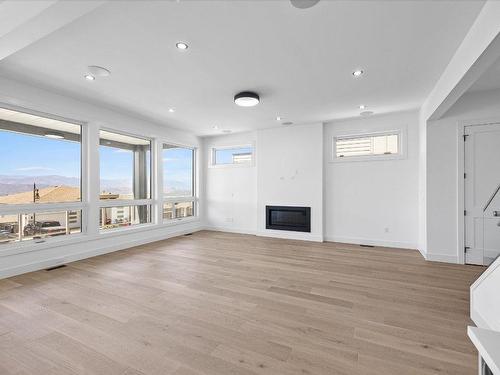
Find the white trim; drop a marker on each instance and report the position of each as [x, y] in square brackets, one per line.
[301, 236]
[402, 146]
[104, 203]
[372, 242]
[231, 230]
[445, 258]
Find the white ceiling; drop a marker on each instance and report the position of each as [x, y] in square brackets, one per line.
[299, 61]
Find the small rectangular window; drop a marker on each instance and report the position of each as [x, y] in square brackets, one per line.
[367, 145]
[241, 155]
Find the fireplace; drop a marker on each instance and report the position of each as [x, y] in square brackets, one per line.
[291, 218]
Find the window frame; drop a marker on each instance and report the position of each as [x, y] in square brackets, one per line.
[213, 150]
[181, 199]
[151, 201]
[40, 208]
[401, 154]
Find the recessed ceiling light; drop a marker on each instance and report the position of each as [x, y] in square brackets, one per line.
[246, 99]
[226, 131]
[362, 106]
[216, 127]
[278, 118]
[171, 110]
[89, 77]
[54, 135]
[286, 123]
[181, 45]
[358, 73]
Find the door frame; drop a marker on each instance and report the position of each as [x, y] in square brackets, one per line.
[461, 125]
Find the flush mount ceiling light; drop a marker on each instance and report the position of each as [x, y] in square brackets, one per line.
[358, 73]
[54, 135]
[246, 99]
[362, 106]
[181, 45]
[216, 127]
[171, 110]
[98, 71]
[304, 4]
[89, 77]
[278, 118]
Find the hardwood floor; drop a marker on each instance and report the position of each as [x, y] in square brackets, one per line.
[218, 303]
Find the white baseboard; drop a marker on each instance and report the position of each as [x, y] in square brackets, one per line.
[98, 250]
[366, 241]
[230, 230]
[445, 258]
[301, 236]
[269, 233]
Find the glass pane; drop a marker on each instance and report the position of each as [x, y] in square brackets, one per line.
[178, 210]
[123, 216]
[9, 229]
[237, 155]
[365, 146]
[40, 159]
[178, 169]
[168, 211]
[39, 225]
[184, 209]
[125, 166]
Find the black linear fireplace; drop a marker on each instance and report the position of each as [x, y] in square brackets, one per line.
[296, 219]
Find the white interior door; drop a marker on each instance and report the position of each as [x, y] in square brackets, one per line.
[482, 193]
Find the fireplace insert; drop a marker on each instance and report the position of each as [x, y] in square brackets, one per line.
[290, 218]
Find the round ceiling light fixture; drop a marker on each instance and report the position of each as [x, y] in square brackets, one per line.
[358, 73]
[278, 118]
[182, 46]
[246, 99]
[171, 110]
[362, 106]
[98, 71]
[54, 135]
[304, 4]
[89, 77]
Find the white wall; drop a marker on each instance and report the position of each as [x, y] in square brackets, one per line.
[230, 191]
[443, 140]
[373, 202]
[290, 173]
[36, 256]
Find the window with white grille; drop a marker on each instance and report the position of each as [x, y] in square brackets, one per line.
[369, 145]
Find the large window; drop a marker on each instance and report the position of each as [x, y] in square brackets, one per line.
[40, 177]
[125, 177]
[367, 146]
[178, 182]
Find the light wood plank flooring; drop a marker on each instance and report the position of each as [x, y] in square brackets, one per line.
[218, 303]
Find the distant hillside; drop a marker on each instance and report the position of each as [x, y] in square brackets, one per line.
[19, 184]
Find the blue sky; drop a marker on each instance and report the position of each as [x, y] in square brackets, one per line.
[25, 155]
[38, 156]
[225, 156]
